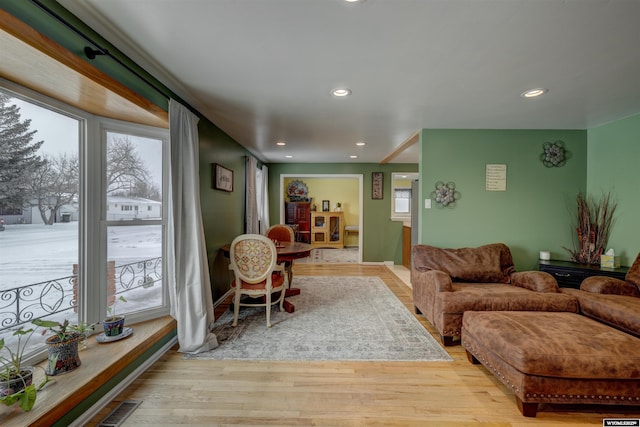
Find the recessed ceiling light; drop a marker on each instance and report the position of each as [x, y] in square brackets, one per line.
[360, 144]
[341, 92]
[281, 143]
[289, 156]
[532, 93]
[354, 1]
[353, 156]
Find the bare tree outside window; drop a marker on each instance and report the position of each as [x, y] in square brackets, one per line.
[55, 185]
[127, 172]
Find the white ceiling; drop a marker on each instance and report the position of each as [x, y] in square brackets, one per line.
[262, 70]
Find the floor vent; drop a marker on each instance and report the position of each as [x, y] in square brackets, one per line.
[120, 413]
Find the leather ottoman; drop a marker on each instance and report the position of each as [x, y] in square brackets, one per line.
[552, 357]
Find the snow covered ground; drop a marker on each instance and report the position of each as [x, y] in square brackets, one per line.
[33, 253]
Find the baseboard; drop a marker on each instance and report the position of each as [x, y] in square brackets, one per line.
[122, 385]
[223, 298]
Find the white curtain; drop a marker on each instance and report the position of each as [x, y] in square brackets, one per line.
[264, 200]
[251, 202]
[187, 267]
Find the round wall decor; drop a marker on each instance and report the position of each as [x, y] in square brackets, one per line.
[445, 195]
[554, 154]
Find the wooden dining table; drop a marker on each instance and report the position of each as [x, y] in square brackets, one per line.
[287, 253]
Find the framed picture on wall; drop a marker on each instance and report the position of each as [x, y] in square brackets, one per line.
[325, 206]
[377, 185]
[222, 178]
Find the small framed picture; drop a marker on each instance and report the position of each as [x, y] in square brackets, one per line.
[377, 185]
[325, 206]
[222, 178]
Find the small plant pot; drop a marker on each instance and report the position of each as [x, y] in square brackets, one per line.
[113, 326]
[14, 385]
[63, 355]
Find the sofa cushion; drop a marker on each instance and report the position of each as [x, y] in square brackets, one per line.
[498, 296]
[485, 264]
[621, 312]
[538, 281]
[608, 285]
[563, 345]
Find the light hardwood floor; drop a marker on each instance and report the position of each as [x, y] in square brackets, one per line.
[210, 393]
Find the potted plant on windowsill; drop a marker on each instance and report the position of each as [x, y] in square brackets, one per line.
[113, 324]
[62, 346]
[16, 379]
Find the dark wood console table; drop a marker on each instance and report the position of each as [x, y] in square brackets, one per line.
[570, 274]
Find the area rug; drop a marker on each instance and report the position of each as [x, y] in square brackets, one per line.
[341, 256]
[335, 318]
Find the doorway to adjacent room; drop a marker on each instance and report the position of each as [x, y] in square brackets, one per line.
[335, 192]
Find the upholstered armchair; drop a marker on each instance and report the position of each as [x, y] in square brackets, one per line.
[281, 233]
[630, 286]
[612, 301]
[448, 282]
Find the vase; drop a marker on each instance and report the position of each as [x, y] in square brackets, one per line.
[14, 385]
[113, 326]
[84, 341]
[63, 355]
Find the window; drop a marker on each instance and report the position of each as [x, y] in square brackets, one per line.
[135, 236]
[40, 202]
[402, 193]
[69, 246]
[402, 197]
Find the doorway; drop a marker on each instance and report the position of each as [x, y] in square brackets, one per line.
[331, 189]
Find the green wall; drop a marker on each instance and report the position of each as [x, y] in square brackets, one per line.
[381, 237]
[612, 166]
[222, 211]
[532, 215]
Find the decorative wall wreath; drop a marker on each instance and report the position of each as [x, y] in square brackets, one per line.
[445, 195]
[554, 154]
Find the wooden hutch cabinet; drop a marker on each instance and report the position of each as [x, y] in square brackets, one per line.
[299, 215]
[327, 229]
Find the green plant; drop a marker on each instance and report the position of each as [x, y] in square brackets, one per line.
[111, 310]
[13, 369]
[12, 359]
[62, 330]
[83, 328]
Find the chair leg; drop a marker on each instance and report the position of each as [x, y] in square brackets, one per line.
[268, 307]
[236, 308]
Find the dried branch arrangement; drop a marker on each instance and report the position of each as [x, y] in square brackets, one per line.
[595, 221]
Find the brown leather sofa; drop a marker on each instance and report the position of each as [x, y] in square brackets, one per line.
[448, 282]
[587, 358]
